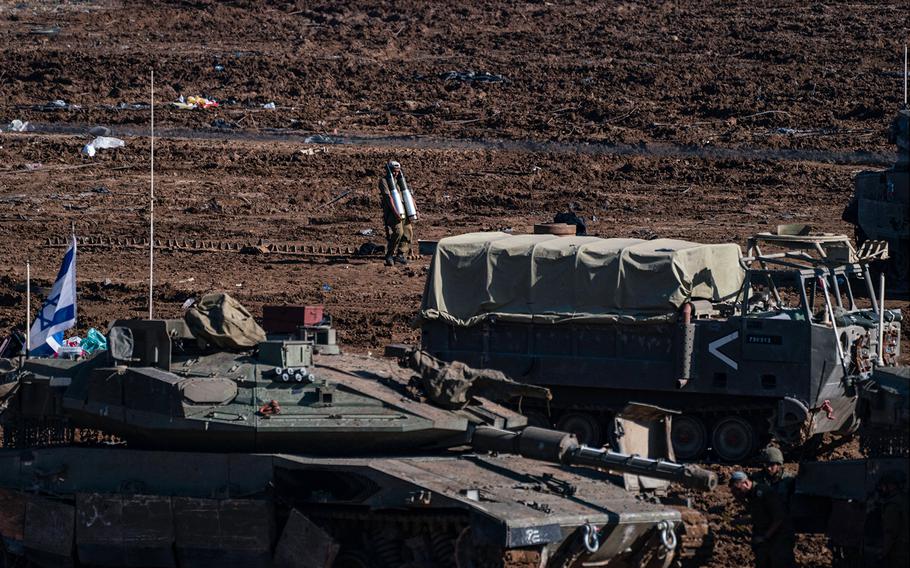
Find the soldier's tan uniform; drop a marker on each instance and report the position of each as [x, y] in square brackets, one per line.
[399, 233]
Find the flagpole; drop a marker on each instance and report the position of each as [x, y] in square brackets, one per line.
[152, 206]
[28, 307]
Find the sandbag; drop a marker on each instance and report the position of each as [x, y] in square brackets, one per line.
[222, 321]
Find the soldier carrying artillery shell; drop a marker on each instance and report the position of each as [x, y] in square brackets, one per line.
[399, 213]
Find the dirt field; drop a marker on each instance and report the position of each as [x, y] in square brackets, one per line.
[685, 120]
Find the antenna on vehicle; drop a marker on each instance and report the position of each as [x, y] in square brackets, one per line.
[152, 205]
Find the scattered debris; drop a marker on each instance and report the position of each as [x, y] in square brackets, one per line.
[219, 68]
[269, 106]
[320, 139]
[194, 102]
[99, 131]
[132, 106]
[366, 232]
[101, 143]
[58, 104]
[101, 189]
[33, 166]
[313, 151]
[472, 77]
[71, 348]
[18, 126]
[326, 288]
[49, 31]
[221, 123]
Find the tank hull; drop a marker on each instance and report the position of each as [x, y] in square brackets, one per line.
[119, 507]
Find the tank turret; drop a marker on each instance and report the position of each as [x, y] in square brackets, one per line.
[157, 388]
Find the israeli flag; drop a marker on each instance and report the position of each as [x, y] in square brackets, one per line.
[59, 310]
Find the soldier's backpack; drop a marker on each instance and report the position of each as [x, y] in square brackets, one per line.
[222, 321]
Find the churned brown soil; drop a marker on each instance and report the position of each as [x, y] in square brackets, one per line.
[700, 121]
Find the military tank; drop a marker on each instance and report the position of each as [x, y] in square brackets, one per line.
[168, 451]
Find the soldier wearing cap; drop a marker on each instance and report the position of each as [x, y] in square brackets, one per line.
[773, 538]
[398, 229]
[774, 476]
[894, 509]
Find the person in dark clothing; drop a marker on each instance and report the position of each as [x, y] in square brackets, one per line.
[570, 217]
[774, 476]
[773, 537]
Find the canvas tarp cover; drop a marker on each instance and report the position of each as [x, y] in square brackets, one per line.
[550, 279]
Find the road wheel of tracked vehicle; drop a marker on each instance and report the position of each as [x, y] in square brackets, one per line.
[689, 437]
[733, 439]
[585, 427]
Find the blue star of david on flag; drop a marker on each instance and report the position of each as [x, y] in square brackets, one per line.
[59, 310]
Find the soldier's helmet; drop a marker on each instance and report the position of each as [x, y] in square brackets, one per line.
[771, 455]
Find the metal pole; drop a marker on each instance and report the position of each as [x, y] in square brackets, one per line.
[905, 75]
[829, 308]
[28, 307]
[152, 207]
[881, 319]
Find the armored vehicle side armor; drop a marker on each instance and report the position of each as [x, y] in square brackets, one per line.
[772, 345]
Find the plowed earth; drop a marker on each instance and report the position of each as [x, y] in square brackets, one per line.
[691, 120]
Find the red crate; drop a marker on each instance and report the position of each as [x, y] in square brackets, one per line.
[286, 319]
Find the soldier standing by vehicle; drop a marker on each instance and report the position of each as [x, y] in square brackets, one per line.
[398, 214]
[772, 530]
[774, 476]
[894, 507]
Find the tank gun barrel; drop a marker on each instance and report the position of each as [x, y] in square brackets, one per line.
[561, 447]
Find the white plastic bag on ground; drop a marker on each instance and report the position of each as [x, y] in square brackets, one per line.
[100, 143]
[18, 126]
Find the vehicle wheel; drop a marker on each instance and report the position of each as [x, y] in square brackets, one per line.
[733, 439]
[689, 437]
[585, 427]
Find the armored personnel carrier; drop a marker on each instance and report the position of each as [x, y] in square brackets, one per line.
[167, 451]
[771, 345]
[880, 207]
